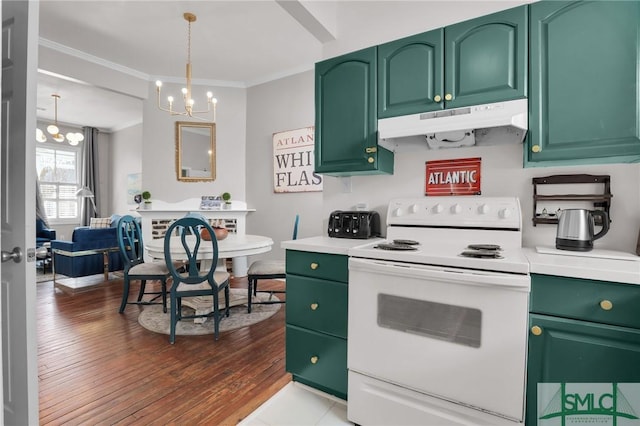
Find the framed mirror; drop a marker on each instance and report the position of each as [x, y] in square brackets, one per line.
[195, 151]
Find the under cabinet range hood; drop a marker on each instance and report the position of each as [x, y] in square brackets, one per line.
[461, 126]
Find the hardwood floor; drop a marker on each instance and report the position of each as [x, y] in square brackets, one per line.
[97, 366]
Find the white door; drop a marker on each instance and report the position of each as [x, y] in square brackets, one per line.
[456, 334]
[17, 206]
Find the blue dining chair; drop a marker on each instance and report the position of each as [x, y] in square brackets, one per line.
[267, 270]
[194, 281]
[135, 268]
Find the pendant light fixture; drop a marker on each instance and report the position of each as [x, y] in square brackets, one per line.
[74, 138]
[186, 91]
[53, 129]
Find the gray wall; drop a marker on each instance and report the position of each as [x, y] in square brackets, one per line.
[158, 146]
[273, 107]
[288, 104]
[126, 152]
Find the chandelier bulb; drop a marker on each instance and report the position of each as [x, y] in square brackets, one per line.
[184, 90]
[158, 84]
[209, 95]
[170, 99]
[191, 102]
[52, 129]
[40, 136]
[214, 100]
[58, 137]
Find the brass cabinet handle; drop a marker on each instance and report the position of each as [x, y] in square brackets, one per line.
[606, 305]
[371, 149]
[448, 97]
[536, 148]
[314, 359]
[437, 98]
[371, 159]
[536, 331]
[314, 266]
[314, 306]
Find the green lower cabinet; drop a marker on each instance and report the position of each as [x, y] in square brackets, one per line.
[316, 317]
[317, 359]
[584, 69]
[317, 305]
[572, 351]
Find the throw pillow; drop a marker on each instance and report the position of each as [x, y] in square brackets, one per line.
[100, 222]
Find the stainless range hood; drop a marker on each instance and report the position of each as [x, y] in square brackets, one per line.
[460, 126]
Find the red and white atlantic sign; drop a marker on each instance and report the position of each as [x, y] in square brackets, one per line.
[453, 177]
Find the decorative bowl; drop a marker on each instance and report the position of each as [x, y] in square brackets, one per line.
[221, 233]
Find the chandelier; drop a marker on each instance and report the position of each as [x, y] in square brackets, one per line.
[74, 138]
[186, 91]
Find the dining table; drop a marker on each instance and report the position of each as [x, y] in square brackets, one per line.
[232, 246]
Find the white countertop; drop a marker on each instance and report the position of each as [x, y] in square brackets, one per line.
[604, 265]
[326, 244]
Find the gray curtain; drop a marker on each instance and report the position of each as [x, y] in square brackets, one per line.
[40, 212]
[89, 175]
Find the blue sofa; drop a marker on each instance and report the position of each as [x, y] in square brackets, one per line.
[74, 264]
[43, 234]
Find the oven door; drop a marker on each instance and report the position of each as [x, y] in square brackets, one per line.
[459, 335]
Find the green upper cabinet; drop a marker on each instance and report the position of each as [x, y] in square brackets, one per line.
[346, 119]
[486, 59]
[585, 83]
[479, 61]
[410, 74]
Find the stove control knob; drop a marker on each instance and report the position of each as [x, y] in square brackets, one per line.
[504, 213]
[438, 208]
[414, 208]
[456, 209]
[397, 212]
[484, 209]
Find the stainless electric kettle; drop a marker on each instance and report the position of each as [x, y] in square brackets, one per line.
[575, 229]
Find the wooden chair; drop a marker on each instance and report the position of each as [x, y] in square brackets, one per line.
[135, 268]
[196, 281]
[267, 270]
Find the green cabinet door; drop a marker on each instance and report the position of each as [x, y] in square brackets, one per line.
[317, 360]
[585, 83]
[317, 304]
[486, 59]
[479, 61]
[346, 139]
[410, 77]
[573, 351]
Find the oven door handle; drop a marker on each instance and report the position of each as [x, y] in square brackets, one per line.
[441, 273]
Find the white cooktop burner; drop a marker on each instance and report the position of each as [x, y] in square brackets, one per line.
[445, 227]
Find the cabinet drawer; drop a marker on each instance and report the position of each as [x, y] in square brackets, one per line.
[598, 301]
[318, 265]
[317, 304]
[317, 358]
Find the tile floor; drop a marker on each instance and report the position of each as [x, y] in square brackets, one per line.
[299, 405]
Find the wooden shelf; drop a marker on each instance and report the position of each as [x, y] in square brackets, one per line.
[602, 201]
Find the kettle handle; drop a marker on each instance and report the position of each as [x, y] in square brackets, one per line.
[605, 223]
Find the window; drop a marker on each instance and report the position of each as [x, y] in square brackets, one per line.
[58, 172]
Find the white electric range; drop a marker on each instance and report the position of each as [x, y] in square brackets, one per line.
[438, 315]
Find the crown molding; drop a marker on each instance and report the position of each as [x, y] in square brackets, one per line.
[61, 48]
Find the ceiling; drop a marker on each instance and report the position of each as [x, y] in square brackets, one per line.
[236, 43]
[233, 43]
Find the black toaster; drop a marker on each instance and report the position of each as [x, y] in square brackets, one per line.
[354, 224]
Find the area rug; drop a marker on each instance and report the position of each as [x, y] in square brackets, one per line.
[153, 319]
